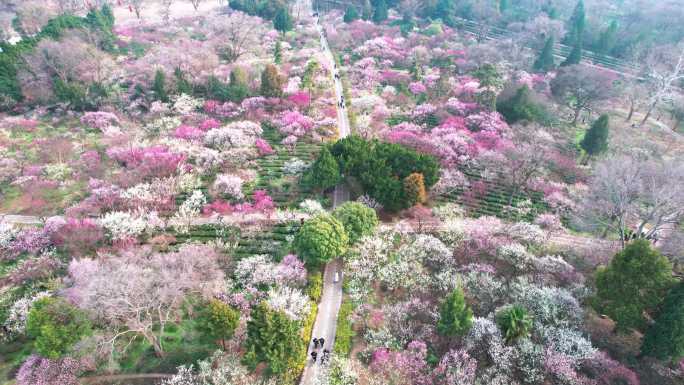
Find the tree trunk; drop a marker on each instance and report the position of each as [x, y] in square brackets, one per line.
[576, 117]
[631, 111]
[678, 121]
[648, 114]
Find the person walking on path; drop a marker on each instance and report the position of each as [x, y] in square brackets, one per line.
[321, 341]
[315, 342]
[313, 356]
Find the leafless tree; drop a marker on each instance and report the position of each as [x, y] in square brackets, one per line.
[640, 194]
[664, 69]
[580, 87]
[196, 4]
[139, 292]
[237, 33]
[165, 9]
[526, 159]
[137, 6]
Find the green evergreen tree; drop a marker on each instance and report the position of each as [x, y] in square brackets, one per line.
[503, 6]
[520, 107]
[278, 53]
[576, 24]
[445, 10]
[455, 316]
[183, 85]
[282, 20]
[416, 70]
[358, 219]
[217, 321]
[273, 338]
[545, 62]
[607, 39]
[380, 11]
[366, 11]
[238, 89]
[325, 172]
[159, 86]
[665, 338]
[55, 326]
[575, 56]
[350, 14]
[490, 80]
[595, 140]
[321, 239]
[634, 282]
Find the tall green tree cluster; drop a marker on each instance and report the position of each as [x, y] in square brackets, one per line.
[575, 35]
[321, 239]
[665, 338]
[595, 140]
[634, 283]
[455, 316]
[55, 326]
[382, 168]
[545, 62]
[273, 338]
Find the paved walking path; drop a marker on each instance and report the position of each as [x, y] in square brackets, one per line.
[331, 299]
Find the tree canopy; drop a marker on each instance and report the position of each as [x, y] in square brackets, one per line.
[321, 239]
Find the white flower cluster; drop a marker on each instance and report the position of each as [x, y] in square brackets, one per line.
[124, 225]
[338, 371]
[569, 342]
[311, 206]
[255, 270]
[515, 255]
[370, 202]
[234, 135]
[163, 125]
[185, 104]
[188, 211]
[15, 322]
[527, 233]
[295, 166]
[57, 171]
[290, 301]
[229, 184]
[7, 234]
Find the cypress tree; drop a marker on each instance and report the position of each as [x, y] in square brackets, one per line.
[455, 316]
[271, 82]
[325, 172]
[665, 339]
[576, 24]
[283, 20]
[607, 38]
[575, 56]
[596, 139]
[158, 87]
[350, 14]
[278, 53]
[367, 11]
[380, 12]
[545, 61]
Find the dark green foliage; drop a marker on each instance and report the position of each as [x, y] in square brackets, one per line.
[607, 39]
[217, 321]
[514, 322]
[576, 24]
[183, 85]
[489, 78]
[381, 167]
[55, 326]
[634, 282]
[278, 53]
[575, 56]
[274, 339]
[358, 219]
[520, 107]
[455, 316]
[159, 86]
[70, 93]
[283, 20]
[350, 14]
[545, 61]
[665, 339]
[234, 92]
[367, 10]
[321, 239]
[380, 11]
[325, 172]
[595, 140]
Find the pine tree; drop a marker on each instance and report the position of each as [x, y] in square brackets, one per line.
[350, 14]
[380, 12]
[665, 339]
[271, 82]
[367, 10]
[607, 39]
[325, 172]
[455, 316]
[283, 20]
[632, 284]
[159, 86]
[575, 56]
[596, 138]
[545, 61]
[576, 24]
[278, 53]
[503, 6]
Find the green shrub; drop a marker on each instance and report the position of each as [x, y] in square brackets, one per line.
[345, 333]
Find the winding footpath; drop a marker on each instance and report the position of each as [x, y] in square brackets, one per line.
[325, 325]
